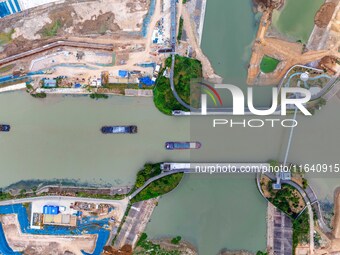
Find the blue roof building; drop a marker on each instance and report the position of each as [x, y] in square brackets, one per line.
[146, 81]
[123, 73]
[50, 209]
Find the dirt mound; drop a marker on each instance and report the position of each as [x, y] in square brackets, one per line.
[324, 15]
[125, 250]
[328, 63]
[268, 3]
[98, 25]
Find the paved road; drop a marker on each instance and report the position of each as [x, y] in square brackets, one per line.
[52, 45]
[173, 32]
[311, 228]
[122, 202]
[333, 91]
[330, 84]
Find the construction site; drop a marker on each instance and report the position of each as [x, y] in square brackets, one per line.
[321, 51]
[81, 40]
[70, 225]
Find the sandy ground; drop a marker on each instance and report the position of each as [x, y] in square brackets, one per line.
[332, 243]
[185, 248]
[127, 16]
[42, 244]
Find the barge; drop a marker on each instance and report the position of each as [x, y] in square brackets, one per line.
[5, 128]
[119, 129]
[182, 145]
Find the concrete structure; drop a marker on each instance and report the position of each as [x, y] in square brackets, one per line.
[9, 7]
[27, 4]
[279, 232]
[50, 83]
[304, 76]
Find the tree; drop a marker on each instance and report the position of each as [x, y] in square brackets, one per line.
[176, 240]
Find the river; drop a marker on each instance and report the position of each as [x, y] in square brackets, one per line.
[60, 138]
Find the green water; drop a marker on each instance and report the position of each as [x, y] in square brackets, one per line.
[296, 19]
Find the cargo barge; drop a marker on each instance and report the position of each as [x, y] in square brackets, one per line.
[182, 145]
[5, 128]
[119, 129]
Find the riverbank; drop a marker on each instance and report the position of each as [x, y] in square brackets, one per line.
[184, 247]
[326, 28]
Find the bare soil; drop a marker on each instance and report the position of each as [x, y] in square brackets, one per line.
[324, 15]
[100, 20]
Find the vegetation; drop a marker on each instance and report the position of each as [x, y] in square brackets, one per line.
[301, 230]
[149, 171]
[286, 199]
[176, 240]
[7, 68]
[268, 64]
[159, 187]
[321, 102]
[273, 163]
[261, 253]
[180, 29]
[52, 29]
[100, 196]
[29, 87]
[98, 96]
[144, 246]
[120, 87]
[304, 183]
[185, 70]
[39, 95]
[6, 38]
[5, 196]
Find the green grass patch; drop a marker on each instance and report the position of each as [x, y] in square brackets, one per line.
[180, 30]
[268, 64]
[185, 70]
[7, 68]
[6, 38]
[52, 29]
[159, 187]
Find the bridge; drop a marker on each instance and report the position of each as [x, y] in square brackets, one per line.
[203, 168]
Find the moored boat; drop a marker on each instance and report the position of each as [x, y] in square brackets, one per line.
[119, 129]
[182, 145]
[5, 128]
